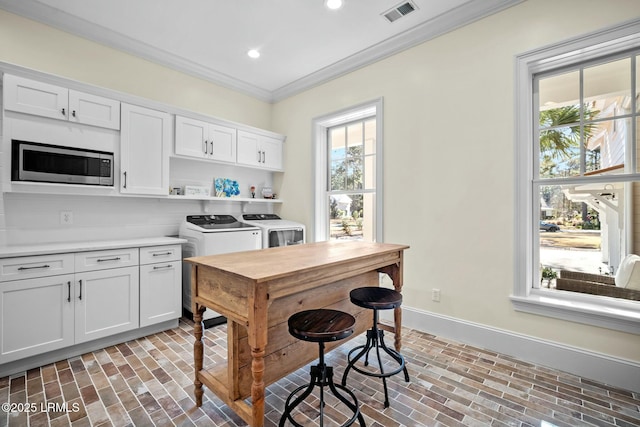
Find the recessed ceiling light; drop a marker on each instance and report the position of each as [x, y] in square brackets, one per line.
[333, 4]
[253, 53]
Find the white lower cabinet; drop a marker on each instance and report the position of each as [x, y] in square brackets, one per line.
[49, 302]
[160, 271]
[106, 303]
[36, 316]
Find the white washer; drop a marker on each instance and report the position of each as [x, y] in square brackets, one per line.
[275, 230]
[212, 235]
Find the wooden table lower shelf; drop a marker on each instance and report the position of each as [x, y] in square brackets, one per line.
[258, 290]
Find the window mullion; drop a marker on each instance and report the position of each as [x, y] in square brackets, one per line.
[583, 142]
[632, 142]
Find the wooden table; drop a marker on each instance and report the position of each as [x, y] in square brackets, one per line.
[258, 290]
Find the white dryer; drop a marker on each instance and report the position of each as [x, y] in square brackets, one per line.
[275, 230]
[212, 235]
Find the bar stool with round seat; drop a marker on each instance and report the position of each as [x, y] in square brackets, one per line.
[375, 298]
[321, 326]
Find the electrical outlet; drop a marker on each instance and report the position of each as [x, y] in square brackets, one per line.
[66, 217]
[435, 295]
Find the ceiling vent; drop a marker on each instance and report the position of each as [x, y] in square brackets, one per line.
[399, 11]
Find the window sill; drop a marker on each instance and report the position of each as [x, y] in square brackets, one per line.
[610, 313]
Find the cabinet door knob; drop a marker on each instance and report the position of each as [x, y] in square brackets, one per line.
[73, 113]
[64, 112]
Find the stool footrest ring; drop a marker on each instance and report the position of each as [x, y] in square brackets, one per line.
[322, 376]
[375, 339]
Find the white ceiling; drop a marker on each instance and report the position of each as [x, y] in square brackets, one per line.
[302, 43]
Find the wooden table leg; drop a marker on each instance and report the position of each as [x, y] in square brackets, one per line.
[198, 353]
[257, 332]
[397, 319]
[394, 272]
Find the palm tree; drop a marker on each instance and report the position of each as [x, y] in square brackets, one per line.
[562, 135]
[559, 138]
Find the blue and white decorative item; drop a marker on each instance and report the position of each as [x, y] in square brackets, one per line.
[225, 187]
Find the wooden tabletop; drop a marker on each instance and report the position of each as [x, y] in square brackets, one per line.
[273, 263]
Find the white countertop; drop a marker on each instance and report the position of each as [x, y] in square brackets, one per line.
[54, 248]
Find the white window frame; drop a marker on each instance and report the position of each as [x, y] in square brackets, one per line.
[321, 157]
[611, 313]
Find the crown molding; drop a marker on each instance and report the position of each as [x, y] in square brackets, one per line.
[79, 27]
[428, 30]
[465, 14]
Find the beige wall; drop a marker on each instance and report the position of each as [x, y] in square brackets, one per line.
[448, 125]
[448, 161]
[36, 46]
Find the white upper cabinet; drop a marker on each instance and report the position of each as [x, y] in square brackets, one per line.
[259, 151]
[94, 110]
[202, 140]
[47, 100]
[145, 144]
[32, 97]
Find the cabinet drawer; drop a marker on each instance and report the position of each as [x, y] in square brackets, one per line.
[155, 254]
[35, 266]
[102, 260]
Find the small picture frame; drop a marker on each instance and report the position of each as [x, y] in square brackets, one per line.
[196, 190]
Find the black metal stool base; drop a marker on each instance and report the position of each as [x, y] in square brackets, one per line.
[322, 376]
[375, 339]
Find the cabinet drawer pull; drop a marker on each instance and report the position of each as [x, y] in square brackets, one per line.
[206, 145]
[211, 147]
[263, 156]
[125, 180]
[162, 254]
[31, 268]
[109, 259]
[80, 296]
[69, 291]
[155, 267]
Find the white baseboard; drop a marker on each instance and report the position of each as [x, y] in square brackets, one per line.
[599, 367]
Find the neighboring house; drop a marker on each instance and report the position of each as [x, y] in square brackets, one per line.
[343, 203]
[546, 211]
[608, 200]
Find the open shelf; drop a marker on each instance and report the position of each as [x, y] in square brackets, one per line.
[225, 199]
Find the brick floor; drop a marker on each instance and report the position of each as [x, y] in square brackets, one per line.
[149, 382]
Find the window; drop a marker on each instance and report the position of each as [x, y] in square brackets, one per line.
[577, 177]
[348, 174]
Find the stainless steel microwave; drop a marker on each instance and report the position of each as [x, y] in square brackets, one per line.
[32, 161]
